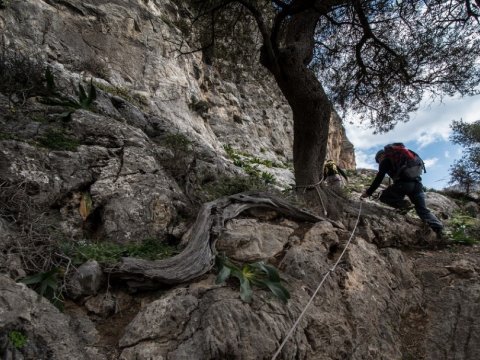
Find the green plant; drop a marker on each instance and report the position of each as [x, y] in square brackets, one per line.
[268, 178]
[56, 140]
[258, 274]
[182, 158]
[85, 100]
[136, 99]
[46, 284]
[107, 252]
[464, 229]
[199, 106]
[21, 74]
[17, 339]
[178, 143]
[151, 249]
[7, 136]
[227, 185]
[250, 164]
[95, 66]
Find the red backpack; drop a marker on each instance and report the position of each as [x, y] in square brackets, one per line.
[407, 165]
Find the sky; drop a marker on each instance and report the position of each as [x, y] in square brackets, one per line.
[427, 133]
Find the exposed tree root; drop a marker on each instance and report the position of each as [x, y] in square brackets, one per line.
[198, 257]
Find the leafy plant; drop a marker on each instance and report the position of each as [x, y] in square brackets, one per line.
[227, 185]
[268, 178]
[107, 252]
[95, 66]
[134, 98]
[56, 140]
[85, 100]
[178, 143]
[46, 284]
[21, 73]
[464, 229]
[258, 274]
[464, 172]
[199, 106]
[17, 339]
[250, 164]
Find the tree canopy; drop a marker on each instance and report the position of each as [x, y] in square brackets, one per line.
[466, 171]
[373, 58]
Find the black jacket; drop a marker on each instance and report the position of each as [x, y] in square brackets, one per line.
[385, 167]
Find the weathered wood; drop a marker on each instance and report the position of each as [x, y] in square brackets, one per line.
[198, 257]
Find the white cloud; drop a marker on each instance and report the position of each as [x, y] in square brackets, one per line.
[365, 160]
[430, 162]
[429, 124]
[426, 139]
[447, 154]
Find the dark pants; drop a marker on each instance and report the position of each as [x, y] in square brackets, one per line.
[394, 196]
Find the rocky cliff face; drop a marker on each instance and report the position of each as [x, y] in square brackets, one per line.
[164, 134]
[132, 46]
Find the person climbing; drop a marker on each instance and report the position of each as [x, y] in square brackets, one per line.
[404, 167]
[331, 174]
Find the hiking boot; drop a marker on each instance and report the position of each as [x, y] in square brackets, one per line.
[405, 204]
[439, 234]
[405, 207]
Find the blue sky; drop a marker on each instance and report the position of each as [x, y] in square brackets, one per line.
[427, 133]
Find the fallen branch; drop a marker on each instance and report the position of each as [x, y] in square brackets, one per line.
[198, 257]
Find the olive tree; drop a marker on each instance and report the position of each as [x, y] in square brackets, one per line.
[375, 59]
[466, 171]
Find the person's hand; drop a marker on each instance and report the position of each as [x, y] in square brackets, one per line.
[364, 195]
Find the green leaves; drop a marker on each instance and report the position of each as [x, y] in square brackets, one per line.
[259, 274]
[464, 229]
[85, 100]
[46, 285]
[107, 252]
[17, 339]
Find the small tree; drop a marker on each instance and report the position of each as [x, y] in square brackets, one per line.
[466, 171]
[378, 58]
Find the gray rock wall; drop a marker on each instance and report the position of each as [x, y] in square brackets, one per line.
[132, 46]
[382, 302]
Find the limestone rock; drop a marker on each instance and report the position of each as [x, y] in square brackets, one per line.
[442, 206]
[87, 279]
[47, 331]
[248, 240]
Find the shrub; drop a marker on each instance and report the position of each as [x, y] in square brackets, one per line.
[21, 75]
[95, 66]
[47, 284]
[178, 143]
[85, 101]
[227, 185]
[56, 140]
[464, 229]
[135, 99]
[199, 106]
[106, 252]
[17, 339]
[250, 164]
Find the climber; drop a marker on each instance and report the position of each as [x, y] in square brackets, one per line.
[404, 167]
[331, 174]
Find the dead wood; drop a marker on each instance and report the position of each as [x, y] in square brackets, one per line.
[198, 257]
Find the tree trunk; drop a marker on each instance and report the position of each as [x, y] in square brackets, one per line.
[311, 118]
[310, 106]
